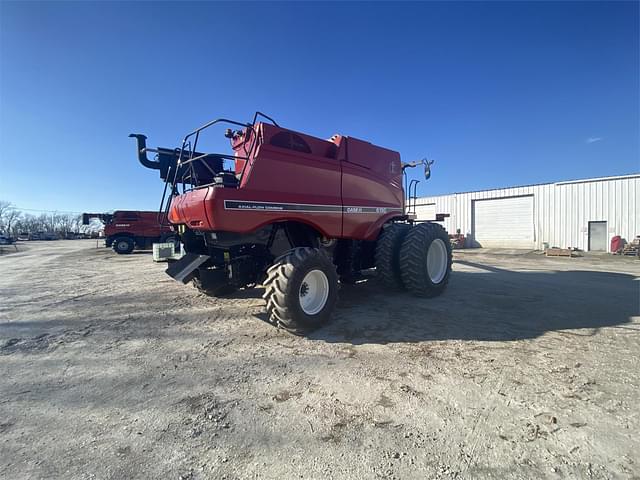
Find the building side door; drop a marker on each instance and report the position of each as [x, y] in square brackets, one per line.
[597, 236]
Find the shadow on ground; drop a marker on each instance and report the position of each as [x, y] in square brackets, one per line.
[488, 304]
[482, 303]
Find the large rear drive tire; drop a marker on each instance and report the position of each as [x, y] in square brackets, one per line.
[425, 260]
[301, 290]
[388, 253]
[123, 245]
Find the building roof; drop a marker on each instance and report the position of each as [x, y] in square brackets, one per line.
[564, 182]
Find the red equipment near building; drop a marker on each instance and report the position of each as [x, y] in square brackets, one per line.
[297, 214]
[616, 244]
[126, 230]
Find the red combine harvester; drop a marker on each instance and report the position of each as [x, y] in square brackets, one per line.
[125, 230]
[296, 214]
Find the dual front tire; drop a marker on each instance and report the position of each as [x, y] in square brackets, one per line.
[417, 259]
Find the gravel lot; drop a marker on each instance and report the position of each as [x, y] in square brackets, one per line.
[527, 367]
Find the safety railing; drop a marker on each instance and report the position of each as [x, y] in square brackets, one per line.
[185, 172]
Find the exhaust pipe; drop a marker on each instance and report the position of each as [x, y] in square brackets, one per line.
[142, 152]
[167, 159]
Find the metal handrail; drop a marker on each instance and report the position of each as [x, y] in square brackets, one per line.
[219, 155]
[191, 148]
[413, 185]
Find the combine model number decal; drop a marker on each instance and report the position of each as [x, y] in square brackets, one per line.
[302, 207]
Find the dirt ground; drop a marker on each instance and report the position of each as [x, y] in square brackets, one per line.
[527, 367]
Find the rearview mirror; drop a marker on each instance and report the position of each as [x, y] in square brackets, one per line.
[427, 169]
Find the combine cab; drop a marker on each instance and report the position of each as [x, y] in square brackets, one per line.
[297, 214]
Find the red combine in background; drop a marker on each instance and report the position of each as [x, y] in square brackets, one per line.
[297, 214]
[125, 230]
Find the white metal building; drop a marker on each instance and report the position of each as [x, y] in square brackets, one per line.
[578, 213]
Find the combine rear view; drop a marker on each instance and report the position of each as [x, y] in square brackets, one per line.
[297, 214]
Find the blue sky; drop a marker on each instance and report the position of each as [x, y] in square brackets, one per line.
[498, 93]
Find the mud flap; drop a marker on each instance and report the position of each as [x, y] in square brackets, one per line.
[184, 269]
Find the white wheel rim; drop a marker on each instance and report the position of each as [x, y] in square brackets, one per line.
[314, 292]
[437, 261]
[123, 245]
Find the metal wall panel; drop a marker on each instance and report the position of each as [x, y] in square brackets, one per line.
[562, 211]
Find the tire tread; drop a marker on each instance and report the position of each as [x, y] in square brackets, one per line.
[413, 259]
[387, 255]
[276, 287]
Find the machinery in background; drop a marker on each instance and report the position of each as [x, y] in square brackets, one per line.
[126, 230]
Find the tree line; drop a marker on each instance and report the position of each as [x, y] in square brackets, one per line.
[14, 222]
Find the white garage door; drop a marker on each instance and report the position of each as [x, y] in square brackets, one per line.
[504, 222]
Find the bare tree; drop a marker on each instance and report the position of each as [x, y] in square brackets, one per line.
[29, 223]
[7, 216]
[76, 223]
[11, 217]
[13, 221]
[4, 206]
[46, 222]
[63, 224]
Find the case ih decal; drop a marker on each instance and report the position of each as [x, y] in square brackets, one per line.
[303, 207]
